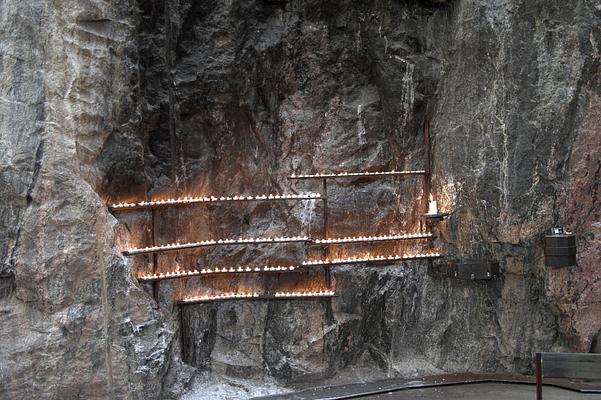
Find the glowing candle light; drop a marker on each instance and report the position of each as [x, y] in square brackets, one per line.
[432, 206]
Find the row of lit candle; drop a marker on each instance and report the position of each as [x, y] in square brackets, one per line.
[352, 174]
[220, 296]
[349, 260]
[217, 270]
[352, 239]
[199, 199]
[348, 239]
[311, 293]
[177, 246]
[266, 268]
[167, 275]
[251, 295]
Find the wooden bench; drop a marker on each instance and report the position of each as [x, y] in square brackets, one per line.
[586, 366]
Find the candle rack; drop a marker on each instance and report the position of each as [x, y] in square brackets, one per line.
[325, 241]
[371, 239]
[373, 259]
[366, 174]
[432, 217]
[219, 271]
[155, 277]
[211, 243]
[190, 200]
[294, 295]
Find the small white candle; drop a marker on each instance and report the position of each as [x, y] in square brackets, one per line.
[432, 207]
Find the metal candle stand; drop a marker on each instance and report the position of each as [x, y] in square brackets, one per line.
[431, 221]
[155, 250]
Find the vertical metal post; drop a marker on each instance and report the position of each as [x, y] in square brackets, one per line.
[539, 376]
[430, 225]
[181, 330]
[155, 256]
[325, 208]
[428, 161]
[327, 302]
[326, 252]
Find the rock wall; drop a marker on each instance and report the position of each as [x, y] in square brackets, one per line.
[74, 324]
[104, 101]
[522, 154]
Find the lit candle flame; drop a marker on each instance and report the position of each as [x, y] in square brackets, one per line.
[354, 259]
[357, 174]
[348, 239]
[200, 199]
[217, 270]
[173, 246]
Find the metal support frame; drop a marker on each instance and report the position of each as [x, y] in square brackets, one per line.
[539, 376]
[427, 173]
[155, 257]
[431, 227]
[428, 162]
[326, 249]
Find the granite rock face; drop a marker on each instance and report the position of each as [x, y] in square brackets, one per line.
[103, 102]
[73, 322]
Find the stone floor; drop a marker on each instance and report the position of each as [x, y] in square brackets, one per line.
[484, 386]
[483, 391]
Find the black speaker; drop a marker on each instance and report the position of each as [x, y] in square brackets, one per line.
[560, 248]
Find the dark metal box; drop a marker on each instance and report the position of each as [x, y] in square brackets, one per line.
[560, 249]
[475, 269]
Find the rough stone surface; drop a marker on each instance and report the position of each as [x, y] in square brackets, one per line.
[116, 101]
[74, 325]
